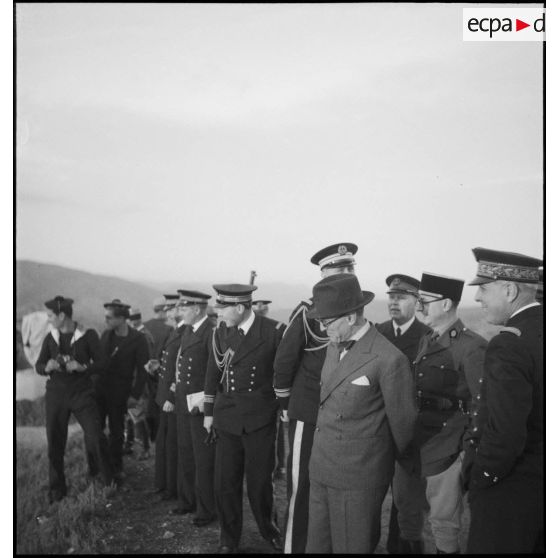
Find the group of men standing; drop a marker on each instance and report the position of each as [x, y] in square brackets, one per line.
[425, 407]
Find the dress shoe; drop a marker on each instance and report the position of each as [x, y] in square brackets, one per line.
[224, 549]
[276, 542]
[181, 511]
[203, 521]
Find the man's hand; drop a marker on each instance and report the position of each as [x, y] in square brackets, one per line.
[52, 365]
[152, 366]
[168, 407]
[284, 417]
[74, 366]
[208, 423]
[131, 403]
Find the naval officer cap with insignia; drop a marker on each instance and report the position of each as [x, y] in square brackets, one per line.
[506, 282]
[332, 259]
[402, 297]
[233, 302]
[192, 305]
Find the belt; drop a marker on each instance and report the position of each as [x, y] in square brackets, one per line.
[443, 404]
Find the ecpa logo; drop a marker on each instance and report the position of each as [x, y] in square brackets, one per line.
[503, 24]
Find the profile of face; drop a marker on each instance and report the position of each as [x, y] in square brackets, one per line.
[338, 329]
[432, 310]
[189, 314]
[401, 306]
[113, 321]
[173, 315]
[231, 314]
[55, 320]
[493, 298]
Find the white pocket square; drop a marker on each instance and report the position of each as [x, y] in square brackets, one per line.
[362, 381]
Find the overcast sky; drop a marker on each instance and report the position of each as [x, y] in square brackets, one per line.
[198, 142]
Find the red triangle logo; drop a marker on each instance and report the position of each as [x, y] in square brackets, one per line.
[519, 25]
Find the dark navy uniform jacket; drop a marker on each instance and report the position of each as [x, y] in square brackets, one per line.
[160, 332]
[166, 372]
[408, 342]
[193, 354]
[511, 421]
[123, 366]
[239, 391]
[298, 366]
[448, 376]
[85, 349]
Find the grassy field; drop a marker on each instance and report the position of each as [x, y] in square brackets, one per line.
[73, 525]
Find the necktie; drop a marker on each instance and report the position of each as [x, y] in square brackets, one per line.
[344, 346]
[398, 332]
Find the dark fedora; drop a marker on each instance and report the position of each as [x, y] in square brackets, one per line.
[338, 295]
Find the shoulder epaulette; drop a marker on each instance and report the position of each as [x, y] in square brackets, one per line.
[513, 330]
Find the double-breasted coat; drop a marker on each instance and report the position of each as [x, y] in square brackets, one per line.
[507, 476]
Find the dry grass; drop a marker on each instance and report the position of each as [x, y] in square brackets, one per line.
[70, 526]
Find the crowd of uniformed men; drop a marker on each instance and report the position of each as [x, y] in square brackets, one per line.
[427, 408]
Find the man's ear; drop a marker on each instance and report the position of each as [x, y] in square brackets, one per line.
[512, 291]
[447, 304]
[240, 309]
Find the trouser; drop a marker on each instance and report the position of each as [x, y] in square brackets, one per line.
[59, 405]
[166, 454]
[508, 517]
[442, 493]
[113, 406]
[393, 532]
[280, 444]
[344, 521]
[253, 453]
[196, 461]
[301, 437]
[130, 432]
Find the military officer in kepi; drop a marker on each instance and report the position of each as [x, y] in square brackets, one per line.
[405, 332]
[448, 375]
[195, 467]
[506, 480]
[297, 366]
[241, 407]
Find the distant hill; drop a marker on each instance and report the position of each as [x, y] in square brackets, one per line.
[37, 282]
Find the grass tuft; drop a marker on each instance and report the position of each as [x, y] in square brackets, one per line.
[71, 525]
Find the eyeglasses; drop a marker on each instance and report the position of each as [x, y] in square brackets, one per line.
[328, 322]
[421, 303]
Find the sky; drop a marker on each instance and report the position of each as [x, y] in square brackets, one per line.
[199, 142]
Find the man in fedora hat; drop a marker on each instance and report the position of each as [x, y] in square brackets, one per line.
[506, 480]
[366, 415]
[297, 366]
[405, 332]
